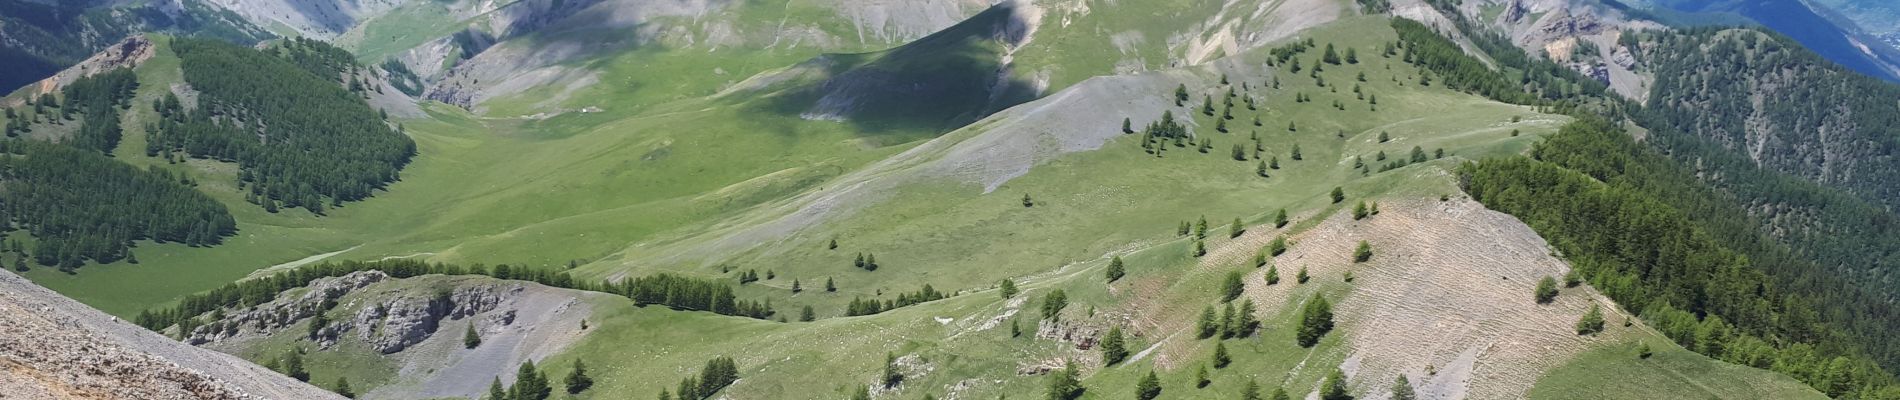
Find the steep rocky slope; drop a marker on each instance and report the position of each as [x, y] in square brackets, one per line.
[54, 348]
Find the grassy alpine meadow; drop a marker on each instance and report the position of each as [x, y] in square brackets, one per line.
[1618, 371]
[953, 235]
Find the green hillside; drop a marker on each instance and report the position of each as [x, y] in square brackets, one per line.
[828, 215]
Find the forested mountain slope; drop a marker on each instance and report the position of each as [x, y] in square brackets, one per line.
[1843, 43]
[292, 117]
[1784, 108]
[39, 38]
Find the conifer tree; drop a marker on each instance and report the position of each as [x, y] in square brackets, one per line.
[1279, 393]
[1592, 321]
[806, 314]
[469, 338]
[293, 366]
[891, 377]
[1274, 162]
[1334, 387]
[863, 393]
[1007, 288]
[1207, 326]
[1273, 275]
[1316, 319]
[1232, 286]
[1115, 271]
[1296, 152]
[1402, 389]
[1053, 303]
[342, 388]
[1302, 277]
[1363, 253]
[530, 384]
[1244, 321]
[1339, 194]
[496, 393]
[1261, 170]
[1220, 355]
[1200, 248]
[1359, 211]
[1251, 391]
[577, 379]
[1200, 376]
[1180, 95]
[1279, 219]
[829, 287]
[1126, 126]
[1063, 384]
[1149, 387]
[1546, 290]
[1114, 350]
[796, 286]
[1226, 323]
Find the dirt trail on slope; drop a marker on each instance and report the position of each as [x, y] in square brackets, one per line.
[1448, 290]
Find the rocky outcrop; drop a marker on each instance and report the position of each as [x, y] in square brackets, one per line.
[268, 318]
[52, 347]
[395, 324]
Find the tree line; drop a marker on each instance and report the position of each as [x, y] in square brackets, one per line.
[861, 306]
[98, 100]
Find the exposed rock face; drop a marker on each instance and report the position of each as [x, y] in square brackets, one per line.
[52, 347]
[126, 54]
[399, 323]
[271, 317]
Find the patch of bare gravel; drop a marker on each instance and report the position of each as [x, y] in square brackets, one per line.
[1446, 298]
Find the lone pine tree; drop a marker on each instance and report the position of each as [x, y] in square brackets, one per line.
[1113, 348]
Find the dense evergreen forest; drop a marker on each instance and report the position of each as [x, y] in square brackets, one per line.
[1784, 107]
[299, 137]
[1605, 202]
[98, 99]
[80, 205]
